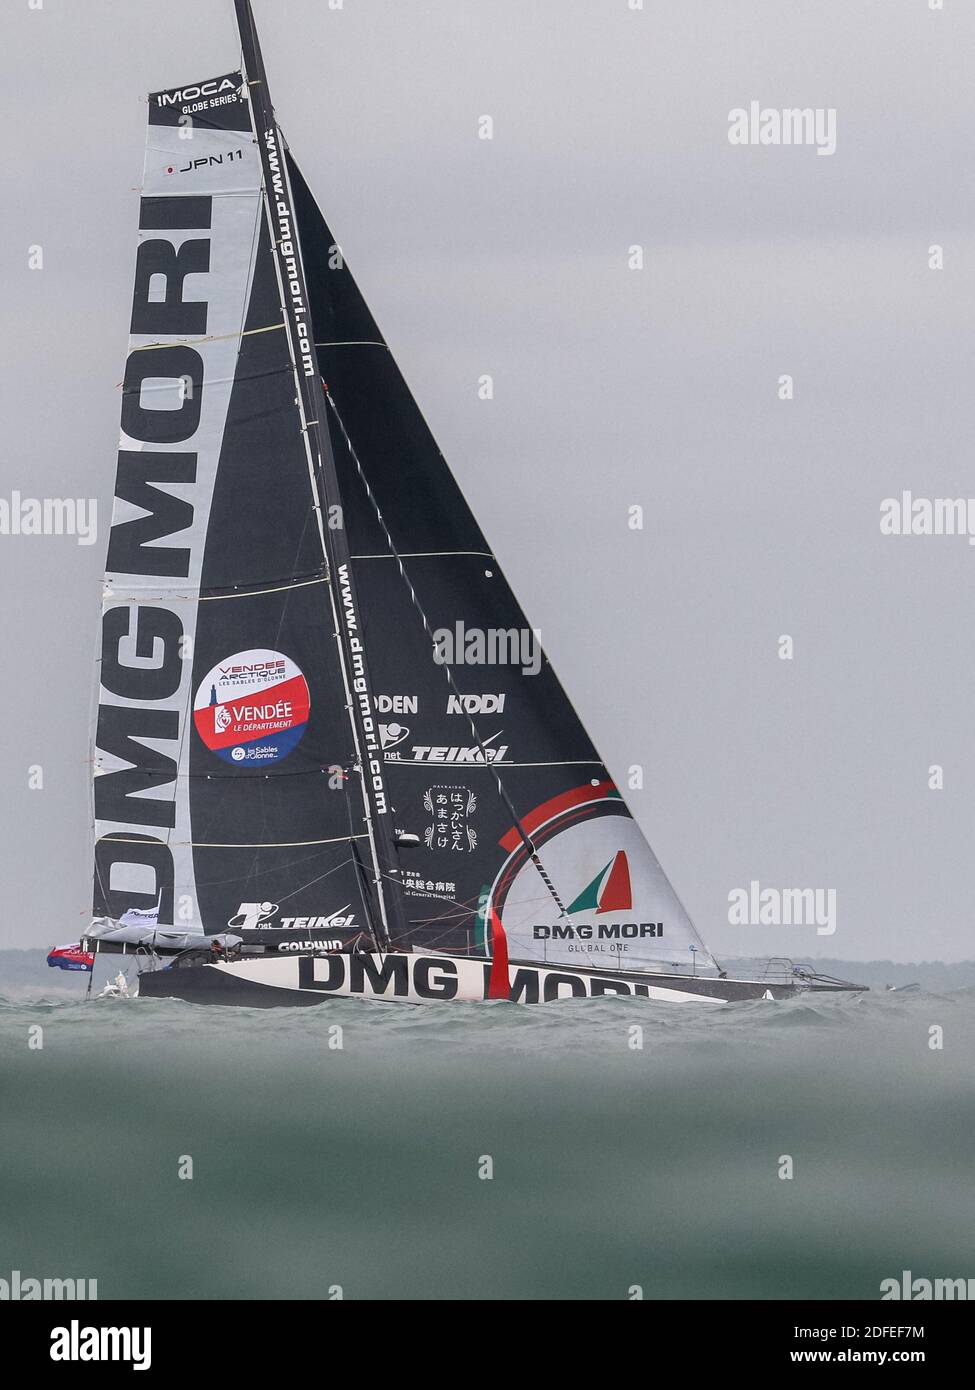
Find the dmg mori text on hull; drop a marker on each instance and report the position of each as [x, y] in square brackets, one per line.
[420, 979]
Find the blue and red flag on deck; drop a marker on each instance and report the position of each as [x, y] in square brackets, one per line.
[71, 957]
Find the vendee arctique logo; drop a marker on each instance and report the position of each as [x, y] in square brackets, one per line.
[252, 707]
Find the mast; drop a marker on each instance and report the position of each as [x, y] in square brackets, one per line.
[345, 610]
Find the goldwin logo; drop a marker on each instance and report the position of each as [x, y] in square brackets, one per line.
[77, 1343]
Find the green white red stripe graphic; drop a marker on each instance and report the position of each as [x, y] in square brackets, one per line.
[609, 891]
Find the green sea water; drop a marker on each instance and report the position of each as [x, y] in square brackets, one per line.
[631, 1146]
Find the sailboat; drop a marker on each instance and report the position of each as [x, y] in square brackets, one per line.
[331, 757]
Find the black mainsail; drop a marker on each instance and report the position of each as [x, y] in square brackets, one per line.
[331, 756]
[234, 784]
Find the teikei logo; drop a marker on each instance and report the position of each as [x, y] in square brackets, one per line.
[250, 916]
[423, 753]
[252, 707]
[260, 916]
[77, 1343]
[340, 920]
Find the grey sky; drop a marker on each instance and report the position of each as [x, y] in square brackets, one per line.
[612, 387]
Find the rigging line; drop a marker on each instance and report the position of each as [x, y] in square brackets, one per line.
[216, 598]
[248, 289]
[498, 762]
[427, 554]
[523, 834]
[221, 380]
[212, 844]
[256, 586]
[211, 338]
[184, 723]
[464, 917]
[448, 927]
[167, 776]
[319, 878]
[93, 707]
[221, 193]
[353, 343]
[259, 593]
[455, 909]
[442, 897]
[299, 547]
[362, 881]
[276, 869]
